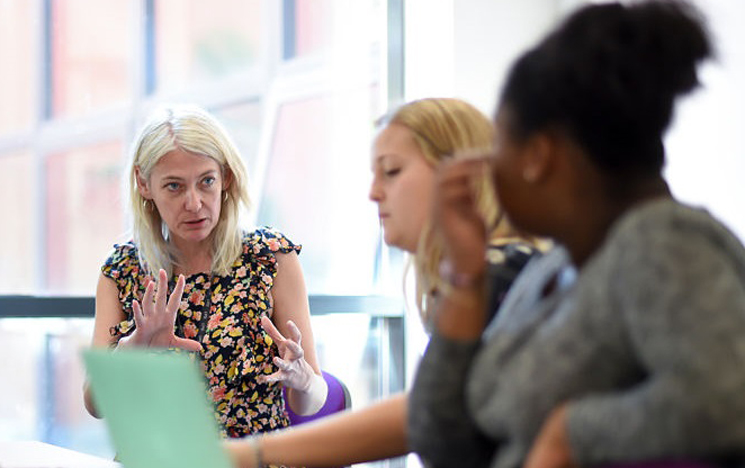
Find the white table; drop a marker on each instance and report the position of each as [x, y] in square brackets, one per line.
[33, 454]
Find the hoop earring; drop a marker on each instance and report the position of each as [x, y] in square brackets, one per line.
[147, 204]
[225, 196]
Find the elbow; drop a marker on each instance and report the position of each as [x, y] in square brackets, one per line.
[90, 406]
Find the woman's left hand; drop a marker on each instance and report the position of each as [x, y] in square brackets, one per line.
[294, 371]
[551, 447]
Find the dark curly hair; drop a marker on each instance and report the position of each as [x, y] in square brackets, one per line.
[608, 76]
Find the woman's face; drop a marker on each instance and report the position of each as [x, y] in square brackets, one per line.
[187, 191]
[402, 186]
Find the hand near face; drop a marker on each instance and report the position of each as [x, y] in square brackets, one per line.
[456, 217]
[155, 318]
[294, 371]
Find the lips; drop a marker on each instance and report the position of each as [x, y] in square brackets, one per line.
[196, 223]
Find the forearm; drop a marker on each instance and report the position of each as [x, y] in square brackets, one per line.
[460, 314]
[663, 419]
[373, 433]
[440, 429]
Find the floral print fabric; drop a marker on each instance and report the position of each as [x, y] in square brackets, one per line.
[223, 313]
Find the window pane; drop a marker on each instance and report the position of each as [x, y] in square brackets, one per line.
[199, 40]
[243, 124]
[45, 401]
[18, 54]
[84, 215]
[306, 28]
[92, 47]
[17, 249]
[315, 190]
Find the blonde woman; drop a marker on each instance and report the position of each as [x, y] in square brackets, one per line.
[413, 142]
[231, 290]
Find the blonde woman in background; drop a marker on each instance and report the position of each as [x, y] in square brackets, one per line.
[228, 287]
[414, 141]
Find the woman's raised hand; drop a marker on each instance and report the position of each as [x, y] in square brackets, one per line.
[456, 216]
[155, 318]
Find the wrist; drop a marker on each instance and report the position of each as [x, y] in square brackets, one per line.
[123, 343]
[257, 456]
[311, 398]
[460, 279]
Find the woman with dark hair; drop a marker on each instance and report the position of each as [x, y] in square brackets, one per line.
[625, 343]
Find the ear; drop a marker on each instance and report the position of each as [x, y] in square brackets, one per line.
[540, 157]
[227, 178]
[142, 184]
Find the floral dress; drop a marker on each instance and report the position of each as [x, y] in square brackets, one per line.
[223, 313]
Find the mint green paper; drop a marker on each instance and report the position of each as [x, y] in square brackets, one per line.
[156, 409]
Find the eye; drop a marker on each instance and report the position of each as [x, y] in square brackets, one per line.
[392, 172]
[209, 181]
[172, 186]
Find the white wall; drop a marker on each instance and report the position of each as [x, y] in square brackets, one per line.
[706, 144]
[462, 48]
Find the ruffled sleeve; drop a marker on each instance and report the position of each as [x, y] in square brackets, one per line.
[260, 249]
[124, 269]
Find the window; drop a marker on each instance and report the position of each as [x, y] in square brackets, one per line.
[91, 61]
[298, 84]
[84, 214]
[17, 244]
[19, 43]
[198, 41]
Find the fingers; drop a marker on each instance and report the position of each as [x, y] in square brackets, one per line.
[293, 351]
[174, 300]
[160, 295]
[282, 364]
[295, 334]
[271, 330]
[187, 345]
[137, 313]
[271, 378]
[147, 298]
[456, 180]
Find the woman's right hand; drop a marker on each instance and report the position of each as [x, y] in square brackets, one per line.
[155, 318]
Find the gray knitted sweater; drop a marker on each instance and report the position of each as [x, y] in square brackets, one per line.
[646, 344]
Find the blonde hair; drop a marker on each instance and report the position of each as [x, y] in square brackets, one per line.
[446, 128]
[191, 129]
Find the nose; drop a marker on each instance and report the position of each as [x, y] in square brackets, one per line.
[376, 192]
[192, 201]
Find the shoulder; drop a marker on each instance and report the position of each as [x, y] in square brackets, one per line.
[265, 240]
[122, 259]
[665, 250]
[667, 228]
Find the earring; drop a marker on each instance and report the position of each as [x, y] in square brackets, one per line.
[225, 196]
[147, 204]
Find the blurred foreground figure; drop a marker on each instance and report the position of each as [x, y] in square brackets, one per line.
[626, 343]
